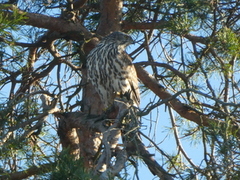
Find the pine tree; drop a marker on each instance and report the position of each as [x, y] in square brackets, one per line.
[52, 123]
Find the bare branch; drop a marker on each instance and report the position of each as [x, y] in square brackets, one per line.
[52, 23]
[29, 172]
[136, 147]
[143, 26]
[167, 66]
[179, 107]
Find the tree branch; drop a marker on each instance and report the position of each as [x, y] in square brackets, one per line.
[179, 107]
[78, 4]
[144, 25]
[167, 66]
[29, 172]
[52, 23]
[136, 147]
[160, 25]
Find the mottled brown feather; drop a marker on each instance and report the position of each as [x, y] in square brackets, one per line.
[111, 71]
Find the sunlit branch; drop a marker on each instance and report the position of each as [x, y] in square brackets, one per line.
[178, 106]
[167, 66]
[177, 139]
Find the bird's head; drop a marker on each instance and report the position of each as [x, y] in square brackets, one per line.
[120, 38]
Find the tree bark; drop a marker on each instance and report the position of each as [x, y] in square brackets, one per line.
[111, 13]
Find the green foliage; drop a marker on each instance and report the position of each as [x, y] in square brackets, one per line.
[183, 24]
[10, 22]
[68, 168]
[228, 42]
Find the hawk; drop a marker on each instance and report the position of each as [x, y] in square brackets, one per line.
[110, 70]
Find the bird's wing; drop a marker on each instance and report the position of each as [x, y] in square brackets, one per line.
[133, 82]
[132, 79]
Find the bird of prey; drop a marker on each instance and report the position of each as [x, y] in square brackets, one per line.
[111, 72]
